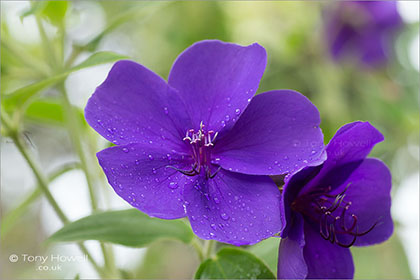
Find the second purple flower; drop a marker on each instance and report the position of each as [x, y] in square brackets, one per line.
[200, 145]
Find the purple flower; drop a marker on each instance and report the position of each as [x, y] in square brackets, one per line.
[363, 30]
[200, 145]
[328, 208]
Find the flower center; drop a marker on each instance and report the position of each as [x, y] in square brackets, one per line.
[331, 213]
[201, 143]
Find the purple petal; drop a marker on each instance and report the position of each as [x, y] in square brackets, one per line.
[134, 105]
[291, 189]
[369, 191]
[373, 48]
[291, 263]
[349, 146]
[383, 13]
[278, 133]
[234, 208]
[215, 80]
[352, 142]
[324, 259]
[141, 176]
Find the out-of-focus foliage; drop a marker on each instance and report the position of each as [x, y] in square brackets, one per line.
[153, 33]
[127, 227]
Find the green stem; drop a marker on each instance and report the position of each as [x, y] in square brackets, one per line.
[75, 133]
[42, 182]
[209, 246]
[198, 248]
[72, 119]
[49, 50]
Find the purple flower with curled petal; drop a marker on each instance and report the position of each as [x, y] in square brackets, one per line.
[363, 30]
[328, 208]
[200, 145]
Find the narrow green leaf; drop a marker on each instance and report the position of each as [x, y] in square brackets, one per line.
[127, 227]
[233, 263]
[21, 95]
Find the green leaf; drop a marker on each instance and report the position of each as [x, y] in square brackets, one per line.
[233, 263]
[49, 111]
[21, 95]
[55, 11]
[268, 251]
[127, 227]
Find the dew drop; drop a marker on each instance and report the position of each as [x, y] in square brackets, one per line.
[125, 150]
[286, 158]
[223, 123]
[150, 157]
[173, 185]
[213, 226]
[137, 162]
[168, 156]
[227, 117]
[237, 111]
[154, 171]
[224, 216]
[165, 109]
[216, 200]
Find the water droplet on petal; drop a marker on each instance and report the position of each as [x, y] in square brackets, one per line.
[237, 111]
[125, 150]
[286, 158]
[165, 110]
[150, 157]
[227, 117]
[213, 226]
[173, 185]
[224, 216]
[216, 200]
[137, 162]
[154, 171]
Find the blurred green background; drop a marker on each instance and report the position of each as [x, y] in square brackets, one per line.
[153, 33]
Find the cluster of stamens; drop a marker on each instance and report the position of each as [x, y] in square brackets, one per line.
[200, 142]
[201, 137]
[332, 225]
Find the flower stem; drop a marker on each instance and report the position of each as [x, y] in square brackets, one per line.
[75, 133]
[209, 246]
[198, 248]
[42, 182]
